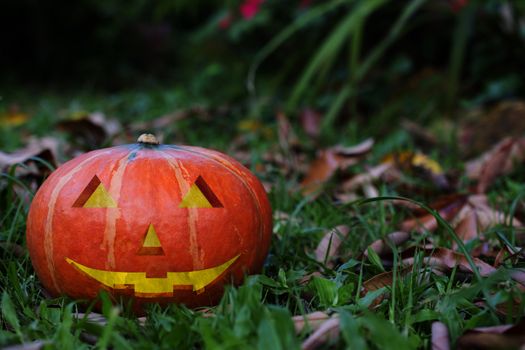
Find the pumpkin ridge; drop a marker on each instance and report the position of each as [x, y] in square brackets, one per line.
[112, 214]
[230, 167]
[197, 259]
[48, 227]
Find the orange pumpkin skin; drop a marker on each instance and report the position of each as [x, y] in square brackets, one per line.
[148, 184]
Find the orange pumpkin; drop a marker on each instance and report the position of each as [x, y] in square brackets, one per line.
[159, 223]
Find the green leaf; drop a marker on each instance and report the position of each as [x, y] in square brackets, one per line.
[332, 45]
[375, 259]
[9, 314]
[350, 331]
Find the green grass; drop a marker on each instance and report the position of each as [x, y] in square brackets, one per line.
[259, 313]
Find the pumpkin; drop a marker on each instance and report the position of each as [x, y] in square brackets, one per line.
[156, 223]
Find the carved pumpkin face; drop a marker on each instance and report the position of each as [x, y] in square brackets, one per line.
[156, 222]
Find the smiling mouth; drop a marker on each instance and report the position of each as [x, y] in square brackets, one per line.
[154, 287]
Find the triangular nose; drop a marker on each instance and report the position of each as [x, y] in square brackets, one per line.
[151, 243]
[151, 239]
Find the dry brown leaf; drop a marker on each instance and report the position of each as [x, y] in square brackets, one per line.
[446, 259]
[365, 178]
[384, 279]
[497, 337]
[420, 164]
[344, 198]
[328, 161]
[328, 248]
[487, 216]
[467, 228]
[314, 320]
[494, 166]
[499, 160]
[356, 150]
[370, 191]
[440, 337]
[482, 129]
[91, 129]
[45, 148]
[381, 246]
[327, 332]
[320, 171]
[421, 224]
[447, 208]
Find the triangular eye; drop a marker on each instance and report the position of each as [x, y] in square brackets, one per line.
[95, 195]
[200, 196]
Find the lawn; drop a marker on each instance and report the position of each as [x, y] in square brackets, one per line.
[394, 172]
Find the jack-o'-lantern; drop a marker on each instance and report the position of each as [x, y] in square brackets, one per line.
[155, 222]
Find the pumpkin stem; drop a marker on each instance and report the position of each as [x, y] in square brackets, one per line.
[149, 139]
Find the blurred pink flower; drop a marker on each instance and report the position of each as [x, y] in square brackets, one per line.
[250, 8]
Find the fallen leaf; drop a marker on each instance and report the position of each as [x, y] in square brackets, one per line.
[91, 129]
[467, 229]
[314, 320]
[382, 246]
[447, 207]
[500, 160]
[482, 129]
[440, 337]
[384, 279]
[494, 166]
[370, 191]
[488, 216]
[356, 150]
[328, 161]
[327, 249]
[446, 259]
[45, 148]
[497, 337]
[327, 332]
[365, 178]
[416, 162]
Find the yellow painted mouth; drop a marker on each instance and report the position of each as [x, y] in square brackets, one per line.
[154, 287]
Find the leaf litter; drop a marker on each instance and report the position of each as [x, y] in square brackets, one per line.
[469, 212]
[470, 215]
